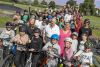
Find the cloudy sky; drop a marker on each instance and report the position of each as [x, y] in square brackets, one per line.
[62, 2]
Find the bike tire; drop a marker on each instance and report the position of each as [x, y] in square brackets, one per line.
[7, 62]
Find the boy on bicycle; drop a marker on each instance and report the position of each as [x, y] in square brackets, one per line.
[6, 35]
[35, 45]
[53, 50]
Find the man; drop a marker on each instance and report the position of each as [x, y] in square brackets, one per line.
[51, 29]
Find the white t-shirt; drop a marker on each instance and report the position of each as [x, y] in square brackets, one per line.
[86, 58]
[74, 45]
[38, 24]
[67, 17]
[50, 31]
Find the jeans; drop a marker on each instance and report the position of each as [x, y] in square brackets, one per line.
[35, 60]
[20, 58]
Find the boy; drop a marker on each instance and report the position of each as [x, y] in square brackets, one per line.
[68, 52]
[86, 57]
[36, 44]
[74, 41]
[6, 35]
[53, 49]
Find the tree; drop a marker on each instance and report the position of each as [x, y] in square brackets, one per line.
[36, 2]
[44, 2]
[52, 4]
[71, 3]
[88, 7]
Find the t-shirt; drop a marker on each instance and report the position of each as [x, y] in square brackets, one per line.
[36, 43]
[74, 45]
[85, 30]
[86, 58]
[50, 31]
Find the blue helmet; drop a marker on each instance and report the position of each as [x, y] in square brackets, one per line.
[13, 49]
[55, 36]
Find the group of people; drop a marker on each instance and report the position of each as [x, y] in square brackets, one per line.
[62, 32]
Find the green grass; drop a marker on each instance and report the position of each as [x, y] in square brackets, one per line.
[23, 6]
[95, 21]
[3, 20]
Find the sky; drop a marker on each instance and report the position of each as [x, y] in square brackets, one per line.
[62, 2]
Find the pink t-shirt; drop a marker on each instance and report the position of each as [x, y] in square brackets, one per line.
[62, 37]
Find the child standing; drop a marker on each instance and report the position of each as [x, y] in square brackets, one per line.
[74, 41]
[68, 51]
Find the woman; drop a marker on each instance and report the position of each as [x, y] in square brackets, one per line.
[64, 33]
[86, 28]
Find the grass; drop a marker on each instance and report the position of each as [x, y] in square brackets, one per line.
[3, 20]
[95, 21]
[23, 6]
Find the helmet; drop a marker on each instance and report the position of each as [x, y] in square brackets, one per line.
[13, 49]
[75, 33]
[37, 30]
[8, 24]
[55, 36]
[22, 29]
[68, 39]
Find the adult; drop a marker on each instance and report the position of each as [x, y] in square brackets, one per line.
[31, 26]
[86, 28]
[64, 33]
[51, 29]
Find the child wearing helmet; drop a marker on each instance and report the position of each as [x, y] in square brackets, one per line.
[21, 40]
[53, 49]
[6, 35]
[35, 45]
[74, 41]
[68, 51]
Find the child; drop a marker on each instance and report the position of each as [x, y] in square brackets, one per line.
[86, 57]
[74, 42]
[6, 35]
[68, 51]
[36, 44]
[53, 49]
[82, 42]
[21, 39]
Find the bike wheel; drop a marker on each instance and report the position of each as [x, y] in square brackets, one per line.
[8, 61]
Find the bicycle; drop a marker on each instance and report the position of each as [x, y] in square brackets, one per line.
[8, 60]
[29, 60]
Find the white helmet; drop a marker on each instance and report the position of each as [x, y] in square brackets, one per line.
[68, 39]
[75, 33]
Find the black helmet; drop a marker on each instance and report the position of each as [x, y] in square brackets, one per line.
[8, 24]
[22, 29]
[36, 30]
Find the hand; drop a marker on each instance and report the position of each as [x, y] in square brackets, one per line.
[31, 49]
